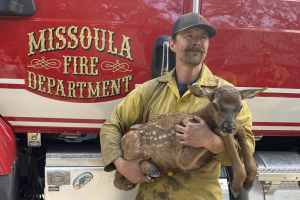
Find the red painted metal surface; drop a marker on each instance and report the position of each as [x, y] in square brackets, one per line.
[7, 147]
[111, 35]
[132, 25]
[246, 31]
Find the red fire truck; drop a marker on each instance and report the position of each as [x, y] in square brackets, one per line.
[65, 64]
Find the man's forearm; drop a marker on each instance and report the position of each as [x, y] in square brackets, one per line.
[216, 145]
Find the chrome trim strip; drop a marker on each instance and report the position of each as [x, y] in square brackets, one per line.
[196, 6]
[165, 58]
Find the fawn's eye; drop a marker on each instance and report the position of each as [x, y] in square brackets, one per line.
[215, 107]
[240, 108]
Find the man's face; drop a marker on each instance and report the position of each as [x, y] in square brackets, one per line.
[190, 46]
[269, 60]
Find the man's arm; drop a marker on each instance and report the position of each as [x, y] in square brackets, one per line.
[127, 113]
[130, 169]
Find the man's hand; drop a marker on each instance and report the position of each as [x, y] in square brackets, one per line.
[199, 135]
[131, 169]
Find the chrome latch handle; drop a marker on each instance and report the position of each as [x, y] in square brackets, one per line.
[82, 180]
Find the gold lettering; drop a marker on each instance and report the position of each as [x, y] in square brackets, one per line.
[60, 88]
[51, 39]
[104, 89]
[84, 69]
[111, 43]
[50, 86]
[41, 81]
[89, 38]
[115, 88]
[126, 80]
[31, 80]
[71, 89]
[33, 45]
[126, 47]
[94, 92]
[61, 37]
[75, 72]
[94, 71]
[67, 59]
[73, 37]
[81, 85]
[97, 39]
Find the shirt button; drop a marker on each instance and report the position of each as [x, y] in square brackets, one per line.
[170, 173]
[177, 100]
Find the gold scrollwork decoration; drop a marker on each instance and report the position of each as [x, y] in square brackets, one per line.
[47, 64]
[122, 67]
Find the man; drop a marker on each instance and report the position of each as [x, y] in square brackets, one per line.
[268, 74]
[190, 41]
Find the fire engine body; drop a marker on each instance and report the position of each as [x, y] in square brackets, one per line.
[64, 65]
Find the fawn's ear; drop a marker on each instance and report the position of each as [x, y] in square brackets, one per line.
[250, 93]
[201, 92]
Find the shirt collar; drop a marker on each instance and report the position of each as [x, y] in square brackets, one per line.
[206, 78]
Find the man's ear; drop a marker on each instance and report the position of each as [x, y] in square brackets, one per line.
[171, 44]
[201, 92]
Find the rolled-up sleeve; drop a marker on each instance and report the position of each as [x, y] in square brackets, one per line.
[244, 119]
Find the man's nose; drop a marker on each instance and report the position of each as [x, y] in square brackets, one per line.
[197, 41]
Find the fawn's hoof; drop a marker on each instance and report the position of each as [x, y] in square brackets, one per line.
[235, 189]
[150, 179]
[149, 170]
[153, 172]
[235, 192]
[248, 185]
[152, 175]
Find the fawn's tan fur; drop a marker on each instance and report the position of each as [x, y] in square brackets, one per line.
[157, 140]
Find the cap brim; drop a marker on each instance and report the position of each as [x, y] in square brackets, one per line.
[210, 30]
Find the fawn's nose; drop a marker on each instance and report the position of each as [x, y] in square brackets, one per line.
[228, 127]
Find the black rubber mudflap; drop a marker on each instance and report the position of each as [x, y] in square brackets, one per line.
[10, 184]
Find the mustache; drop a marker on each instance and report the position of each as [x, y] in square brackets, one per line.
[195, 49]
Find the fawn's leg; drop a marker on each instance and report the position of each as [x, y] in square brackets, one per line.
[149, 170]
[122, 183]
[239, 174]
[131, 145]
[250, 165]
[191, 158]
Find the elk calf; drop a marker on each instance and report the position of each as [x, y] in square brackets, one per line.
[156, 139]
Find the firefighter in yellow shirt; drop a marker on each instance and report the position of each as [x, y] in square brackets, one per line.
[268, 74]
[190, 41]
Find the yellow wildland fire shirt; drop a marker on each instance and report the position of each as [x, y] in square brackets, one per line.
[151, 100]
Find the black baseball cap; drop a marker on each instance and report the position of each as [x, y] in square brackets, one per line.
[193, 19]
